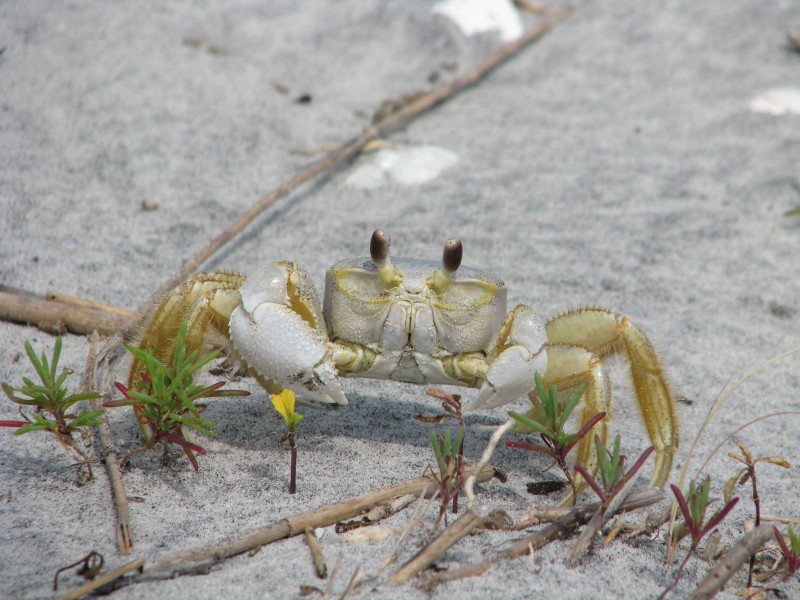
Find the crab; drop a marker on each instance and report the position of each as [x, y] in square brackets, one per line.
[414, 321]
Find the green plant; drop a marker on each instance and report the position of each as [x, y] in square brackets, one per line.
[451, 404]
[283, 403]
[748, 474]
[790, 551]
[451, 469]
[165, 400]
[548, 418]
[693, 508]
[53, 404]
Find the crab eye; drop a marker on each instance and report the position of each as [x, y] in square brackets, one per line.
[379, 246]
[452, 255]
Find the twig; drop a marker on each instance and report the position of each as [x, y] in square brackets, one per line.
[201, 560]
[320, 568]
[380, 512]
[102, 580]
[469, 486]
[57, 311]
[576, 516]
[733, 559]
[459, 529]
[105, 450]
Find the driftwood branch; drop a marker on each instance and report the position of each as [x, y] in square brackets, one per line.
[441, 544]
[576, 516]
[202, 560]
[102, 580]
[732, 561]
[56, 313]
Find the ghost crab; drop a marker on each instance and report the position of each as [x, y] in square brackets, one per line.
[414, 321]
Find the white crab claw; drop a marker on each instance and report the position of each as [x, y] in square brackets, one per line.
[279, 343]
[511, 374]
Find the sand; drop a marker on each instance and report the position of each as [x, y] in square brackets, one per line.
[616, 163]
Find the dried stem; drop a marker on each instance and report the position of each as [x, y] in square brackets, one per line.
[320, 568]
[576, 515]
[105, 449]
[469, 487]
[102, 580]
[201, 560]
[460, 528]
[733, 559]
[54, 312]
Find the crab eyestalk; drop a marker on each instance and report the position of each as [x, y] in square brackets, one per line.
[379, 251]
[451, 261]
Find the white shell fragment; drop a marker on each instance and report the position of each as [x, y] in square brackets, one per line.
[779, 101]
[407, 166]
[365, 535]
[479, 16]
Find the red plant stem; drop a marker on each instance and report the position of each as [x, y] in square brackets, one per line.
[293, 469]
[757, 503]
[13, 423]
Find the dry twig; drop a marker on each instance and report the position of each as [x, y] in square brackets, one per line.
[59, 312]
[734, 559]
[102, 580]
[459, 529]
[200, 561]
[576, 516]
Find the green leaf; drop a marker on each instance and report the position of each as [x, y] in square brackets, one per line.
[531, 424]
[571, 404]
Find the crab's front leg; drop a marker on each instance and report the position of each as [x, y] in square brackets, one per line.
[278, 330]
[273, 321]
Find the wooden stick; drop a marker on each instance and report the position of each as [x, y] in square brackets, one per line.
[102, 580]
[733, 559]
[108, 454]
[320, 568]
[201, 560]
[441, 544]
[48, 312]
[577, 515]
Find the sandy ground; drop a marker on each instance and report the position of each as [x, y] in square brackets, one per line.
[616, 163]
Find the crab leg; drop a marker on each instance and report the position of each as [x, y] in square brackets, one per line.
[604, 333]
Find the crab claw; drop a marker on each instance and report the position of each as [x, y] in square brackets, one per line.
[519, 354]
[279, 332]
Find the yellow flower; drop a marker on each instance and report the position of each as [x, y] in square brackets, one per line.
[284, 405]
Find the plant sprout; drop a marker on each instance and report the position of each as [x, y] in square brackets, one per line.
[53, 405]
[165, 399]
[548, 418]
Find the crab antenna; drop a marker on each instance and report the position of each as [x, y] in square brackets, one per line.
[452, 255]
[379, 246]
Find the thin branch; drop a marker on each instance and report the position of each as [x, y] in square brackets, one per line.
[459, 529]
[577, 515]
[53, 312]
[201, 560]
[469, 487]
[105, 579]
[733, 559]
[105, 450]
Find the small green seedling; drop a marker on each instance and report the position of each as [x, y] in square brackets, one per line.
[451, 469]
[693, 508]
[451, 404]
[748, 473]
[613, 480]
[610, 467]
[53, 405]
[284, 404]
[548, 418]
[165, 401]
[791, 551]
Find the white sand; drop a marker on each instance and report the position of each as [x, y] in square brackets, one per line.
[616, 163]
